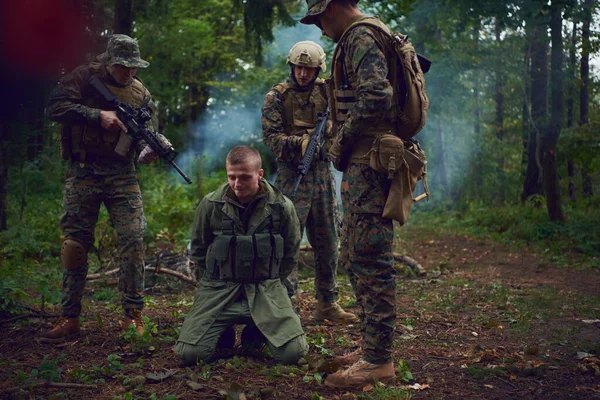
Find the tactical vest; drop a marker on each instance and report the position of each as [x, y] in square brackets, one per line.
[91, 138]
[301, 109]
[246, 258]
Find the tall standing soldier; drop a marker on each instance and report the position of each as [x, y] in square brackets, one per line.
[101, 170]
[289, 117]
[360, 107]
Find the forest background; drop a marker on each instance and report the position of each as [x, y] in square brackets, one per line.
[512, 135]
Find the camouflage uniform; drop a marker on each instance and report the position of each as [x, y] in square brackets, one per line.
[368, 237]
[97, 176]
[315, 201]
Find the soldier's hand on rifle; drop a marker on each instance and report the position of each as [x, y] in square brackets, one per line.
[147, 155]
[110, 122]
[304, 143]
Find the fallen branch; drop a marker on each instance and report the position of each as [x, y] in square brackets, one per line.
[409, 261]
[48, 384]
[189, 279]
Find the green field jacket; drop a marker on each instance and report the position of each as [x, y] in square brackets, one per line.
[269, 303]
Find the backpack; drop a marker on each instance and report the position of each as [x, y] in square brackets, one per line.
[410, 102]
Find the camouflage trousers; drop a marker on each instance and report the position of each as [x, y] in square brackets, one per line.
[317, 210]
[367, 241]
[83, 195]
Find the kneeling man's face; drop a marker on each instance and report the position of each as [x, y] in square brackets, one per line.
[243, 179]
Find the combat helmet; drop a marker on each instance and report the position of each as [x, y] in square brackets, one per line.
[307, 54]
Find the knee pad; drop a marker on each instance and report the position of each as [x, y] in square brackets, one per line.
[73, 255]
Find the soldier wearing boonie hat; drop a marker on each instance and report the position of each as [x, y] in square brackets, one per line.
[316, 8]
[101, 170]
[123, 50]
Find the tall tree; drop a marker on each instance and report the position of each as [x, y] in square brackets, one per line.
[571, 106]
[123, 17]
[3, 176]
[551, 135]
[584, 100]
[539, 106]
[499, 121]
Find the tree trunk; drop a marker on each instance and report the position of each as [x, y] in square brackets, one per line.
[476, 176]
[571, 107]
[441, 154]
[3, 177]
[584, 98]
[526, 127]
[539, 106]
[500, 114]
[123, 17]
[551, 135]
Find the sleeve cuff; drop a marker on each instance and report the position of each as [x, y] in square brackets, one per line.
[93, 115]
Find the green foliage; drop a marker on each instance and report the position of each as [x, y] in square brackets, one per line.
[380, 392]
[318, 342]
[524, 224]
[403, 371]
[132, 336]
[10, 292]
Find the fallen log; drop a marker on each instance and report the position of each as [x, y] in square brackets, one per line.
[404, 259]
[186, 278]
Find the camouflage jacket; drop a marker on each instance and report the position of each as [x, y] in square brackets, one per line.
[66, 105]
[366, 69]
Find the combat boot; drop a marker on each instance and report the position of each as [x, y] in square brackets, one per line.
[361, 374]
[253, 339]
[64, 329]
[334, 313]
[133, 317]
[349, 358]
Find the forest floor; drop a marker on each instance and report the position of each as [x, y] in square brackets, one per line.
[487, 322]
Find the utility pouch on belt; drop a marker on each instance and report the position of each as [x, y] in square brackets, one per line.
[405, 164]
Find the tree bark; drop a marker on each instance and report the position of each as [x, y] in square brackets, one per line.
[571, 107]
[552, 134]
[123, 17]
[539, 104]
[3, 177]
[500, 113]
[584, 96]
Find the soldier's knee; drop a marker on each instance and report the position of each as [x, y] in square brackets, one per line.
[291, 352]
[191, 354]
[73, 255]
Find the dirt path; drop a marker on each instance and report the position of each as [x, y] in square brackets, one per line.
[486, 323]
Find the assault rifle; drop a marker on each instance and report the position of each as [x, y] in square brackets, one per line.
[317, 141]
[135, 120]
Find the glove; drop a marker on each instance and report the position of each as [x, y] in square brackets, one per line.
[304, 143]
[339, 155]
[147, 155]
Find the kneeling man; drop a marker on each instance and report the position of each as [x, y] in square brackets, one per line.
[245, 241]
